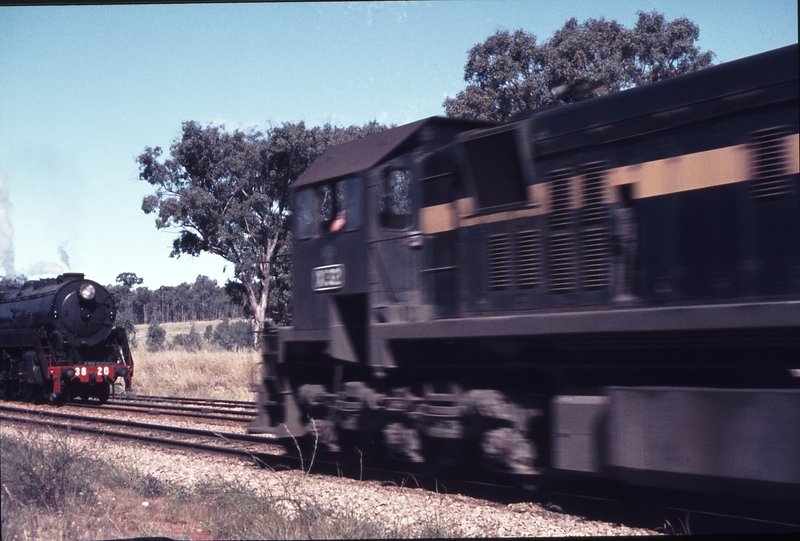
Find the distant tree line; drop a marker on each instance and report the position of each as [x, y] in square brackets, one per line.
[230, 336]
[203, 300]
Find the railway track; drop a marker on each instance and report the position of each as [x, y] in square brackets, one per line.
[598, 501]
[262, 450]
[208, 402]
[235, 413]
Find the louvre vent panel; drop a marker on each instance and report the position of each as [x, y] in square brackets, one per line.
[595, 262]
[593, 194]
[560, 199]
[499, 261]
[529, 259]
[562, 263]
[770, 164]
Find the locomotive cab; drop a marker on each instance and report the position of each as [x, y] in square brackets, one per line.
[358, 253]
[330, 262]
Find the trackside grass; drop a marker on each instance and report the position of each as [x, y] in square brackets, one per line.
[211, 372]
[208, 373]
[53, 489]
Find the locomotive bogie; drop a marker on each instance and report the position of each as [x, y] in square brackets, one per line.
[541, 296]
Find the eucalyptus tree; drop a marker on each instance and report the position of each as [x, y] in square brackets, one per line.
[227, 193]
[510, 72]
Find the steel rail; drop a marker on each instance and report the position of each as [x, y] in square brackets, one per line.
[176, 407]
[185, 400]
[262, 459]
[143, 408]
[148, 426]
[173, 407]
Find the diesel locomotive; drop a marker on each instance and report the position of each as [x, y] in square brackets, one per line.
[58, 341]
[608, 289]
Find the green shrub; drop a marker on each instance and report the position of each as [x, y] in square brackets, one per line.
[156, 336]
[236, 335]
[191, 342]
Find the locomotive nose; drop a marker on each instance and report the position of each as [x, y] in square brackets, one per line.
[86, 313]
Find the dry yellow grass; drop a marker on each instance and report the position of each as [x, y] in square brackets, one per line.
[210, 373]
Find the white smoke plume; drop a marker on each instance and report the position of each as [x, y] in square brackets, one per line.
[6, 230]
[62, 252]
[44, 268]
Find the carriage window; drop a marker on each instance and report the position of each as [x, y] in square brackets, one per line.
[394, 206]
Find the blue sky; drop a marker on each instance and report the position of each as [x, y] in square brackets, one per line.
[84, 89]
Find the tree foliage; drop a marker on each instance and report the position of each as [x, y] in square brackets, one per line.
[231, 336]
[156, 336]
[510, 72]
[198, 301]
[227, 193]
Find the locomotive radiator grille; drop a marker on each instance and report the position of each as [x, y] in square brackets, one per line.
[770, 164]
[561, 252]
[562, 262]
[593, 194]
[499, 261]
[594, 237]
[595, 264]
[529, 259]
[560, 199]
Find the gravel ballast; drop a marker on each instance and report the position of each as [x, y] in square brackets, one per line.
[393, 505]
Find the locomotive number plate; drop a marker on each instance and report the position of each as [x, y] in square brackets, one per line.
[328, 277]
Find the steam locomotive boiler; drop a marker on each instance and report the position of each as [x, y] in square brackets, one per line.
[58, 341]
[609, 289]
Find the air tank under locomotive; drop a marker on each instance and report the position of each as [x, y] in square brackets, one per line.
[58, 341]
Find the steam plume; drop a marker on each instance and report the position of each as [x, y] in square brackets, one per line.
[6, 230]
[62, 252]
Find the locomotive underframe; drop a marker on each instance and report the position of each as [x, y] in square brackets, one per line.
[554, 393]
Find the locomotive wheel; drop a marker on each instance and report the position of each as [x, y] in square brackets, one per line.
[11, 389]
[103, 392]
[4, 388]
[27, 392]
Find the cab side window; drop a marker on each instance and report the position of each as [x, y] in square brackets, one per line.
[305, 213]
[329, 208]
[394, 204]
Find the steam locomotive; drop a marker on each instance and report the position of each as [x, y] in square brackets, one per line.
[608, 289]
[58, 341]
